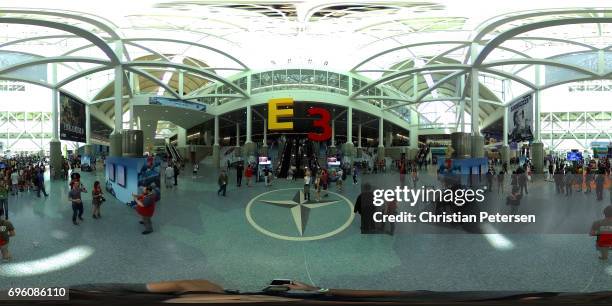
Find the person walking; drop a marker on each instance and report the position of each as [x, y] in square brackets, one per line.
[402, 171]
[318, 186]
[365, 208]
[354, 175]
[196, 167]
[7, 230]
[77, 204]
[414, 175]
[500, 181]
[558, 178]
[588, 179]
[239, 172]
[569, 181]
[4, 193]
[97, 199]
[145, 207]
[307, 179]
[176, 174]
[222, 181]
[602, 227]
[490, 175]
[514, 200]
[249, 174]
[324, 182]
[340, 178]
[15, 181]
[550, 171]
[169, 174]
[522, 181]
[40, 183]
[599, 185]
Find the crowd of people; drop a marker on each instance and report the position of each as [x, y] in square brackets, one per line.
[19, 176]
[579, 177]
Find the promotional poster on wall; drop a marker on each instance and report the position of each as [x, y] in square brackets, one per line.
[128, 175]
[72, 119]
[520, 120]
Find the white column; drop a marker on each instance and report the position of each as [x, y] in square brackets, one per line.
[265, 132]
[238, 134]
[381, 135]
[537, 100]
[249, 124]
[132, 117]
[181, 136]
[462, 116]
[505, 127]
[134, 83]
[349, 125]
[461, 105]
[118, 94]
[333, 136]
[475, 103]
[118, 100]
[414, 130]
[55, 114]
[54, 104]
[475, 92]
[181, 80]
[359, 136]
[87, 124]
[216, 130]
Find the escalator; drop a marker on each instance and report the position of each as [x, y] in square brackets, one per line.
[169, 152]
[176, 153]
[298, 153]
[284, 161]
[173, 152]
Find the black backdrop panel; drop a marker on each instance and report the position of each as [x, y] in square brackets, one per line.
[72, 119]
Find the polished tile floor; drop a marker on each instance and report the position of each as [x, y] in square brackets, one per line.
[200, 235]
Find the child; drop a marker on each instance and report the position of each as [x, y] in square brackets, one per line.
[196, 167]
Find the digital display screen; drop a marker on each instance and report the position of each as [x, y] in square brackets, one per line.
[121, 176]
[574, 156]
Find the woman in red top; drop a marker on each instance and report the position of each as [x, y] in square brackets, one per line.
[97, 199]
[248, 172]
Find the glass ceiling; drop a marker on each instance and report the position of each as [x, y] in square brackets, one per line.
[219, 39]
[268, 33]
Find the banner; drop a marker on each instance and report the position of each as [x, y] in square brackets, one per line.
[177, 103]
[520, 121]
[72, 119]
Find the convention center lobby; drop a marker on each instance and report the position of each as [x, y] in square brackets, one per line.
[455, 147]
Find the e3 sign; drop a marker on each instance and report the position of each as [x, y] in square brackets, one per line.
[274, 112]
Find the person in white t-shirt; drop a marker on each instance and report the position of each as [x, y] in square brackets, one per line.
[169, 176]
[15, 181]
[196, 167]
